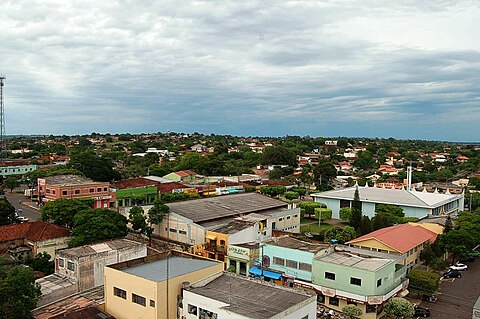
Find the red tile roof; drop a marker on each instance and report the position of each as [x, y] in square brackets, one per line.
[168, 187]
[400, 237]
[35, 231]
[134, 183]
[186, 173]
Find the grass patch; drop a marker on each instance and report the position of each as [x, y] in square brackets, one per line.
[304, 220]
[314, 228]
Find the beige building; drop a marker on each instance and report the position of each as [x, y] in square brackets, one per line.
[153, 289]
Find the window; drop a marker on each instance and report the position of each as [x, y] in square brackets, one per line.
[321, 299]
[205, 314]
[192, 309]
[288, 217]
[104, 189]
[61, 262]
[173, 230]
[280, 219]
[291, 263]
[333, 301]
[222, 242]
[53, 191]
[370, 308]
[295, 216]
[77, 191]
[182, 232]
[120, 293]
[344, 203]
[279, 261]
[70, 265]
[304, 266]
[91, 190]
[139, 300]
[64, 193]
[152, 303]
[99, 189]
[48, 191]
[355, 281]
[329, 275]
[379, 282]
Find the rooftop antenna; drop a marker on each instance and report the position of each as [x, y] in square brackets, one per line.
[2, 117]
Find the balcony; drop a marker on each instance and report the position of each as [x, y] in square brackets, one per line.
[215, 248]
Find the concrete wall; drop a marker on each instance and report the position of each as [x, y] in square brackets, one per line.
[50, 246]
[292, 254]
[180, 229]
[307, 308]
[286, 220]
[151, 290]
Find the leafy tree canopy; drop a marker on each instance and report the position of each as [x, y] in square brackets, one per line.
[96, 225]
[63, 210]
[7, 212]
[399, 307]
[93, 166]
[342, 235]
[423, 282]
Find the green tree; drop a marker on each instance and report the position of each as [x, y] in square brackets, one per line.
[273, 191]
[448, 225]
[93, 166]
[291, 195]
[300, 190]
[278, 172]
[308, 208]
[393, 210]
[423, 282]
[96, 225]
[156, 214]
[342, 235]
[7, 212]
[175, 197]
[278, 155]
[460, 242]
[345, 213]
[42, 263]
[365, 226]
[11, 182]
[323, 213]
[324, 172]
[356, 218]
[365, 161]
[63, 210]
[427, 255]
[399, 308]
[137, 218]
[18, 292]
[352, 311]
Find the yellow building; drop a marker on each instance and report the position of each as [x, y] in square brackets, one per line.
[252, 228]
[404, 239]
[152, 289]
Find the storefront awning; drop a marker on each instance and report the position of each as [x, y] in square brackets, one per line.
[211, 237]
[256, 271]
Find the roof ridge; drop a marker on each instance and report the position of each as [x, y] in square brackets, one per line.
[412, 193]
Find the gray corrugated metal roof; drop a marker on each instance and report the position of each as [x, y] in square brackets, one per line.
[390, 196]
[92, 249]
[200, 210]
[68, 180]
[177, 266]
[250, 298]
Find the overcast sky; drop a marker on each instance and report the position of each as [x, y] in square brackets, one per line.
[402, 68]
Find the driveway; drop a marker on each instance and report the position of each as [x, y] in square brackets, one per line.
[31, 213]
[456, 297]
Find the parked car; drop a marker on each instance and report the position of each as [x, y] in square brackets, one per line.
[452, 274]
[458, 266]
[421, 312]
[474, 253]
[23, 219]
[20, 211]
[430, 298]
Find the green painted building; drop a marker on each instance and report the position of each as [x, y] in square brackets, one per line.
[361, 277]
[134, 192]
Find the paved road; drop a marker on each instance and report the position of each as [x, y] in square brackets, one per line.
[456, 297]
[30, 213]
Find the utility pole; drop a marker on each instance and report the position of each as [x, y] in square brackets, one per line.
[2, 118]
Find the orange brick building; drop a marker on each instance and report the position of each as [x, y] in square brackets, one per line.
[75, 186]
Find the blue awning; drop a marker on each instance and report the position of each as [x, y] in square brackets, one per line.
[257, 272]
[233, 191]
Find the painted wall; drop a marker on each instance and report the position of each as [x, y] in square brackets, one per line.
[305, 309]
[17, 170]
[292, 254]
[286, 220]
[151, 290]
[50, 246]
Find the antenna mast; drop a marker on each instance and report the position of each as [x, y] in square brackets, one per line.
[2, 118]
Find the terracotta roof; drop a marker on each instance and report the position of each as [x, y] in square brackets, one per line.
[186, 173]
[133, 183]
[168, 187]
[35, 231]
[400, 237]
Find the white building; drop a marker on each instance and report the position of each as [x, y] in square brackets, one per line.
[414, 203]
[228, 296]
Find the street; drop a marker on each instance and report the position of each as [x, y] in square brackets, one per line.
[456, 297]
[29, 212]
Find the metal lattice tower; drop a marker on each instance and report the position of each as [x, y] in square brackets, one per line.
[2, 118]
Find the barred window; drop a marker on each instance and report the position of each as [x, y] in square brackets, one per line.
[279, 261]
[304, 266]
[292, 264]
[139, 300]
[120, 293]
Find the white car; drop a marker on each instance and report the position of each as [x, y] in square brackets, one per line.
[459, 266]
[22, 219]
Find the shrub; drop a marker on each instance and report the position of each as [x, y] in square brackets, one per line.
[324, 213]
[345, 213]
[291, 195]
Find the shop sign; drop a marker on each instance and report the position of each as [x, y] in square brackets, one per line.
[374, 300]
[328, 292]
